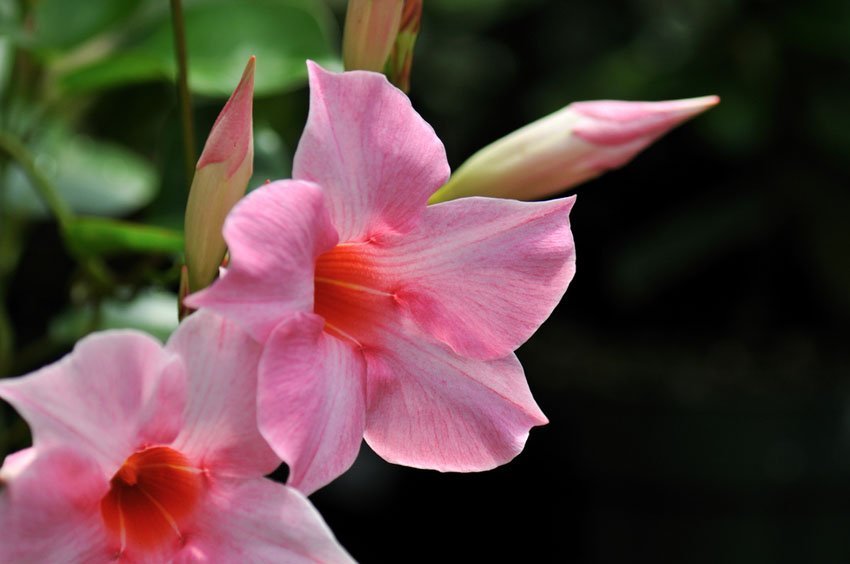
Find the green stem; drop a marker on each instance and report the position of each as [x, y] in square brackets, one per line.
[183, 89]
[42, 186]
[95, 269]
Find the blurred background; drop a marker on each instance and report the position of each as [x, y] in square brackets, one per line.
[696, 375]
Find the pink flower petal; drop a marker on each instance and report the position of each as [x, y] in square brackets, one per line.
[312, 399]
[429, 408]
[260, 521]
[116, 391]
[16, 463]
[50, 508]
[482, 274]
[274, 234]
[378, 160]
[220, 433]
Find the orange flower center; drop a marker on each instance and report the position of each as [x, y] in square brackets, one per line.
[150, 498]
[350, 293]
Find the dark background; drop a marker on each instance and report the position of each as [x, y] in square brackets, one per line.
[696, 373]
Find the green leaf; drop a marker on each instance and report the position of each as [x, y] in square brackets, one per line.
[92, 177]
[221, 35]
[102, 236]
[151, 311]
[61, 24]
[127, 68]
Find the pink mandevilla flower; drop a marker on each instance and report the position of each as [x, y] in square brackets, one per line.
[384, 318]
[150, 454]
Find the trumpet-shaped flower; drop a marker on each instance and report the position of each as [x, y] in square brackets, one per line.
[568, 147]
[145, 453]
[384, 318]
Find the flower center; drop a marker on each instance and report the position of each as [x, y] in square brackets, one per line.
[350, 293]
[150, 498]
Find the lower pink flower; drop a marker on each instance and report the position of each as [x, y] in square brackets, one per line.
[382, 317]
[145, 453]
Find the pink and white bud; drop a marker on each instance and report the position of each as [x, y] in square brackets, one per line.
[371, 27]
[221, 177]
[568, 147]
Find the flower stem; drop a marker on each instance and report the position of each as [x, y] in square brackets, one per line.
[42, 186]
[179, 29]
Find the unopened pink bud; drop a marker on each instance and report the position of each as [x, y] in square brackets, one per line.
[629, 127]
[221, 177]
[568, 147]
[371, 27]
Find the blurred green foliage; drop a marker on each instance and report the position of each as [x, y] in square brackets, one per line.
[151, 311]
[109, 149]
[85, 174]
[220, 38]
[58, 28]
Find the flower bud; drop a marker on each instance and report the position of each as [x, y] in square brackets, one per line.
[401, 57]
[221, 177]
[568, 147]
[371, 27]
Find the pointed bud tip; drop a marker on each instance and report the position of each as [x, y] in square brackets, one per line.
[687, 107]
[247, 80]
[615, 122]
[243, 94]
[231, 135]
